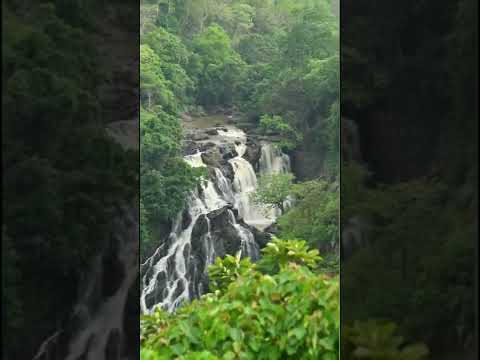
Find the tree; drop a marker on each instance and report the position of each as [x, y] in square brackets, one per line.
[315, 216]
[276, 125]
[220, 67]
[154, 87]
[273, 190]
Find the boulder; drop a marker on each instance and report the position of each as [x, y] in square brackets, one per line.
[228, 151]
[227, 170]
[207, 145]
[212, 132]
[200, 228]
[190, 147]
[220, 218]
[212, 157]
[199, 136]
[224, 233]
[253, 152]
[186, 219]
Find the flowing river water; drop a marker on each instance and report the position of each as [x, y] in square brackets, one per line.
[219, 219]
[218, 209]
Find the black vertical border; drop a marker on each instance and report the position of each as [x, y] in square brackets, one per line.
[422, 23]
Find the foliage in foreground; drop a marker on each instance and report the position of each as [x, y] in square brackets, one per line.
[290, 314]
[260, 311]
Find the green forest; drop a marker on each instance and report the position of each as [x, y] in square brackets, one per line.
[63, 177]
[408, 81]
[356, 135]
[276, 63]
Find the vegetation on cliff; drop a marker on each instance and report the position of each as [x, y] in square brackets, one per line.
[63, 176]
[277, 64]
[417, 189]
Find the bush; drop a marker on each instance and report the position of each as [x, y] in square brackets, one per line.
[273, 190]
[280, 253]
[315, 215]
[276, 125]
[291, 313]
[225, 271]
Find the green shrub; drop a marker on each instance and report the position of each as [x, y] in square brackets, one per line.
[291, 313]
[225, 271]
[273, 190]
[280, 253]
[315, 215]
[276, 125]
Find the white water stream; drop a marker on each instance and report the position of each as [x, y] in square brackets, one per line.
[172, 276]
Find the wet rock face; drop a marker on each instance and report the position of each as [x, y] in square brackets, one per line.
[191, 147]
[114, 346]
[210, 226]
[227, 170]
[228, 151]
[218, 155]
[113, 273]
[200, 227]
[272, 229]
[253, 152]
[186, 219]
[213, 157]
[199, 136]
[211, 132]
[225, 235]
[198, 251]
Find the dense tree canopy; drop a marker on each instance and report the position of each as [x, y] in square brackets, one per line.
[276, 61]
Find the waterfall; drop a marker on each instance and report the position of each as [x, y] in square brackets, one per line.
[107, 323]
[195, 160]
[218, 220]
[224, 186]
[172, 267]
[244, 184]
[273, 161]
[248, 244]
[96, 328]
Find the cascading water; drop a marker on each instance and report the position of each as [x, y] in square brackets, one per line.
[170, 270]
[217, 221]
[273, 160]
[96, 329]
[107, 324]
